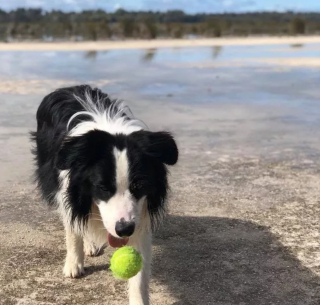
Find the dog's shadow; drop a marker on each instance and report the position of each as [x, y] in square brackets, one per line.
[95, 268]
[222, 261]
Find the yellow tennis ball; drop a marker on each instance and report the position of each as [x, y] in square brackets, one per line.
[125, 263]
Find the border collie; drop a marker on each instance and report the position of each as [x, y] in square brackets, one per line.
[105, 173]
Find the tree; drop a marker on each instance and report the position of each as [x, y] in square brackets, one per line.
[298, 26]
[151, 28]
[213, 28]
[98, 24]
[12, 30]
[128, 27]
[105, 30]
[92, 31]
[194, 29]
[178, 31]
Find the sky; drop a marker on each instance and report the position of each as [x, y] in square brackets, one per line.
[189, 6]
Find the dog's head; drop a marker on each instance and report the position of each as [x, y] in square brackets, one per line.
[119, 173]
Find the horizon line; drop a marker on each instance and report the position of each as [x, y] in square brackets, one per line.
[282, 11]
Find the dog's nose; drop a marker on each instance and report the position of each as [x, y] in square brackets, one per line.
[124, 228]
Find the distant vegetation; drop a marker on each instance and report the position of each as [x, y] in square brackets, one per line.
[35, 24]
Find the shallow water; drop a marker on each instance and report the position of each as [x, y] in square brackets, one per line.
[220, 103]
[193, 76]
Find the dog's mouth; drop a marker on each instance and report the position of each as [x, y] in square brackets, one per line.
[117, 242]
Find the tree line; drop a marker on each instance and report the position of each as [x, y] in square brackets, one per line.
[36, 24]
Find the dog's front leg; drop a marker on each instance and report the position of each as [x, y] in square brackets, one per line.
[75, 256]
[139, 284]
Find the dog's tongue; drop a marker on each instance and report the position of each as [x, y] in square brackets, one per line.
[117, 242]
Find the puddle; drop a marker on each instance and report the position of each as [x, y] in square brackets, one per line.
[168, 75]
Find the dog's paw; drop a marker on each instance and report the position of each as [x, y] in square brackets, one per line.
[73, 269]
[90, 249]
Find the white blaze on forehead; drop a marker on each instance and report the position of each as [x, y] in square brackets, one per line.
[122, 170]
[121, 205]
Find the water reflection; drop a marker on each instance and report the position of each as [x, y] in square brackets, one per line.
[216, 51]
[92, 55]
[173, 73]
[149, 55]
[297, 45]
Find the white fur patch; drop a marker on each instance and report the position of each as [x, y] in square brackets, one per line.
[61, 197]
[114, 119]
[122, 205]
[122, 170]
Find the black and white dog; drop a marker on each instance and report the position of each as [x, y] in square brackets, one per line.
[106, 174]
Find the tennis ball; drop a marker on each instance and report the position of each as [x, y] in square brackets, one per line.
[125, 263]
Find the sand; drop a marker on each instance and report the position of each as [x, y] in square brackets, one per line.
[313, 62]
[243, 226]
[244, 221]
[159, 43]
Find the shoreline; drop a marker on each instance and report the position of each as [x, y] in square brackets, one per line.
[155, 44]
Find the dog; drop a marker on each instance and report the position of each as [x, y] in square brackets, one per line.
[106, 174]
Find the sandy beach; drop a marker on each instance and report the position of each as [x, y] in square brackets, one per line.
[159, 43]
[244, 214]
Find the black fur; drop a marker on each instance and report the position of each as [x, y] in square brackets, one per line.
[90, 160]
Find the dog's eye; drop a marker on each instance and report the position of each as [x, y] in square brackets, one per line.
[135, 186]
[137, 189]
[105, 190]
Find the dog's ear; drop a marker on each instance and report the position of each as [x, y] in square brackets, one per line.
[69, 152]
[83, 150]
[160, 145]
